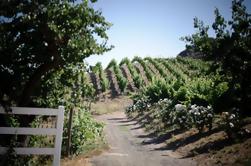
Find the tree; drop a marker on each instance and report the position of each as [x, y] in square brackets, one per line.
[40, 37]
[231, 49]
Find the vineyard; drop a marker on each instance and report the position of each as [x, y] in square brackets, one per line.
[132, 76]
[182, 100]
[194, 109]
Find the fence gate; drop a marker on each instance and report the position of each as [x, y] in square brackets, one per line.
[58, 131]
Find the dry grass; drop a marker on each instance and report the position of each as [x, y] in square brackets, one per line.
[79, 161]
[83, 160]
[110, 105]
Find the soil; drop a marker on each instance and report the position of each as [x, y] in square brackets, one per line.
[126, 139]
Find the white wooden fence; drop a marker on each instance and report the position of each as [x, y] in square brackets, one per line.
[58, 131]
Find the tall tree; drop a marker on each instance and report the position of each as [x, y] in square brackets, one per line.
[39, 37]
[231, 49]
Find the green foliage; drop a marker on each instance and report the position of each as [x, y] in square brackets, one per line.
[201, 117]
[122, 82]
[157, 90]
[86, 132]
[98, 70]
[138, 81]
[68, 87]
[43, 45]
[135, 76]
[156, 65]
[182, 95]
[112, 63]
[124, 61]
[38, 38]
[232, 125]
[180, 116]
[230, 49]
[148, 73]
[104, 83]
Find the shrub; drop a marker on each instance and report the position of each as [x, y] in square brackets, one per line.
[112, 63]
[137, 81]
[104, 83]
[122, 83]
[201, 117]
[139, 106]
[231, 122]
[157, 90]
[86, 132]
[180, 117]
[124, 61]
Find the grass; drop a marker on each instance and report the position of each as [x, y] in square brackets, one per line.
[110, 105]
[83, 159]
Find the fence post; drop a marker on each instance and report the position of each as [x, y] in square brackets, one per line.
[68, 149]
[58, 141]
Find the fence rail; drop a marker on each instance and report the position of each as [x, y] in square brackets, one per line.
[58, 131]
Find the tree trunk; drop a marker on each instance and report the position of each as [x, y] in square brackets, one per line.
[68, 147]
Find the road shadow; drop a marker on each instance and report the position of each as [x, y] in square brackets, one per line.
[188, 140]
[138, 127]
[215, 146]
[161, 138]
[117, 119]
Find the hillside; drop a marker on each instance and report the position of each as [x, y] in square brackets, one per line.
[141, 72]
[183, 103]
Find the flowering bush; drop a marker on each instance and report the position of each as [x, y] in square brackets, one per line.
[201, 116]
[165, 107]
[180, 116]
[231, 123]
[139, 106]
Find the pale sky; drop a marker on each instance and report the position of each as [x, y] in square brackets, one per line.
[154, 27]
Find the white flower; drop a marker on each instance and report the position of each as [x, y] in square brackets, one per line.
[197, 113]
[193, 106]
[231, 124]
[209, 115]
[247, 131]
[232, 116]
[179, 107]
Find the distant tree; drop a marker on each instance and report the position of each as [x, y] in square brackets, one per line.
[39, 37]
[231, 49]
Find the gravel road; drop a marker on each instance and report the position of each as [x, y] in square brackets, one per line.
[126, 140]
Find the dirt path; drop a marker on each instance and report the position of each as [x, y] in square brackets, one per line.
[127, 146]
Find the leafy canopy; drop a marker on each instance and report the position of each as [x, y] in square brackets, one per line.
[38, 37]
[230, 49]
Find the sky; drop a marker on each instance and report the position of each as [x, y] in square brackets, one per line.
[154, 27]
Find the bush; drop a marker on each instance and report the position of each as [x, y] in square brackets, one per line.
[139, 106]
[112, 63]
[104, 84]
[122, 83]
[180, 116]
[157, 90]
[201, 117]
[137, 81]
[86, 132]
[231, 122]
